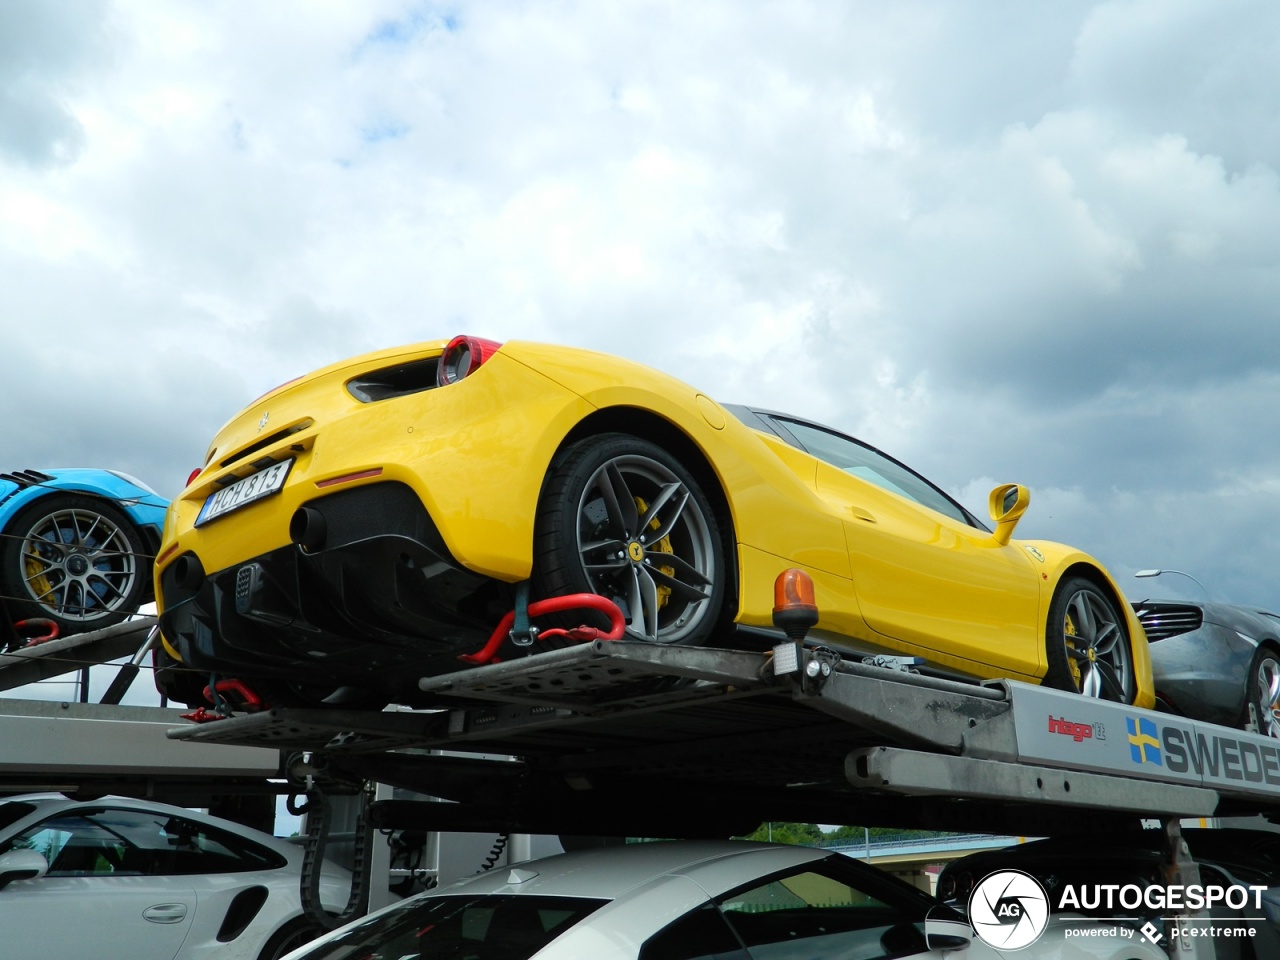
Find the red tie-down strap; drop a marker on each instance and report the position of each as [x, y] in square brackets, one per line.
[243, 698]
[26, 629]
[573, 601]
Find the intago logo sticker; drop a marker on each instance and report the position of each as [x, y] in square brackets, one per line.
[1009, 910]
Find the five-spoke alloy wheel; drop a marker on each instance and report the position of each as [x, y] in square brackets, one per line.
[1088, 643]
[621, 517]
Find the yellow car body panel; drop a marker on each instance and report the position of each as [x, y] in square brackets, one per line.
[891, 575]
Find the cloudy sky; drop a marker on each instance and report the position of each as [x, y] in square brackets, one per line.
[1001, 240]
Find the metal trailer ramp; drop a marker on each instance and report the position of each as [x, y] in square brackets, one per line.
[54, 658]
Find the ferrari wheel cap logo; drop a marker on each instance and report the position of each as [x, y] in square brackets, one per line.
[635, 551]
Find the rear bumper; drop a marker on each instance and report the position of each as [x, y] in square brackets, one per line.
[378, 600]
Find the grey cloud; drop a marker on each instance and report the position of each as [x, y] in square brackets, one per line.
[1205, 72]
[45, 50]
[35, 128]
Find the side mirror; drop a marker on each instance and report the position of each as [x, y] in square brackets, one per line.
[946, 929]
[22, 865]
[1007, 503]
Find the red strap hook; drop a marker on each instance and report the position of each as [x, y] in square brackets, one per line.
[573, 601]
[249, 701]
[33, 624]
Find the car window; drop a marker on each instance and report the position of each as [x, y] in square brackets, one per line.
[701, 935]
[139, 843]
[867, 463]
[825, 911]
[476, 928]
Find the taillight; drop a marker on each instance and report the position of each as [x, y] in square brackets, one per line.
[194, 473]
[462, 357]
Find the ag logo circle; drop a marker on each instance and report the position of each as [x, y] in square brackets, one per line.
[1009, 910]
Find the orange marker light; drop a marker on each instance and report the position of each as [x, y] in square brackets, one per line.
[347, 478]
[794, 608]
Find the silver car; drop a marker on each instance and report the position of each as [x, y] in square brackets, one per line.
[721, 900]
[1212, 661]
[120, 878]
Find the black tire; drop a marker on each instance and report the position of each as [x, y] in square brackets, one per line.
[1264, 692]
[292, 935]
[77, 560]
[621, 517]
[1087, 642]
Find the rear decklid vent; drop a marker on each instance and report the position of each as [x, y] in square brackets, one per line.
[1162, 621]
[399, 381]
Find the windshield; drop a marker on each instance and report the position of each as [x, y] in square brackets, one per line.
[494, 927]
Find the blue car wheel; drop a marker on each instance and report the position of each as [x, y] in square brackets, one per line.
[77, 560]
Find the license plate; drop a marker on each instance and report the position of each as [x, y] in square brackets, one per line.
[244, 492]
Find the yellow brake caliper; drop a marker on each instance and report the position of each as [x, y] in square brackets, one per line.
[35, 567]
[662, 546]
[1069, 628]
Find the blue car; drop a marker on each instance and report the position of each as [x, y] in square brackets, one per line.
[76, 546]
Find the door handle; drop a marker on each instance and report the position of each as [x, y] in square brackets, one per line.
[166, 913]
[861, 514]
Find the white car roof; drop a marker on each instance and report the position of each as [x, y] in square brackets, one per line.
[715, 865]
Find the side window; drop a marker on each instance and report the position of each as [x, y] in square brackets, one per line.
[821, 912]
[701, 935]
[867, 463]
[74, 846]
[108, 842]
[189, 847]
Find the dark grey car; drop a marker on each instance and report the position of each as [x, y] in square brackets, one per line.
[1211, 661]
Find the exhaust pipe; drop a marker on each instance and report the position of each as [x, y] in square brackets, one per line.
[188, 572]
[307, 528]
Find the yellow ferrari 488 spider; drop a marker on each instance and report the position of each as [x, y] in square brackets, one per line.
[363, 526]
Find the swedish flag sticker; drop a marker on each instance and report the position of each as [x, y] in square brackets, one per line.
[1144, 741]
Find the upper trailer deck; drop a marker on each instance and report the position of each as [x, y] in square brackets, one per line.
[611, 733]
